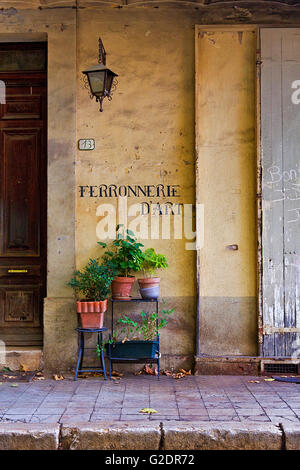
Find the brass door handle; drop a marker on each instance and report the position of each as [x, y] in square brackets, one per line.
[17, 271]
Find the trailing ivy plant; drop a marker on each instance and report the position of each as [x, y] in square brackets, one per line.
[147, 327]
[125, 252]
[153, 261]
[93, 281]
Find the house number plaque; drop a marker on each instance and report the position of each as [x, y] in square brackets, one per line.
[86, 144]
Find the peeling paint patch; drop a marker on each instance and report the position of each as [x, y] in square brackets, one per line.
[240, 13]
[8, 11]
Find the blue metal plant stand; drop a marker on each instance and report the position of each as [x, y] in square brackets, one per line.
[79, 367]
[130, 359]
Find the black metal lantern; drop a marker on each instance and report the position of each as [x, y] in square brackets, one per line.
[100, 78]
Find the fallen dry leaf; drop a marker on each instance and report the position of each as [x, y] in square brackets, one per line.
[253, 381]
[116, 378]
[269, 380]
[185, 372]
[179, 375]
[147, 410]
[148, 370]
[38, 378]
[58, 377]
[23, 368]
[115, 373]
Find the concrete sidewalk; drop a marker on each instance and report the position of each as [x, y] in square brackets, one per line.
[206, 412]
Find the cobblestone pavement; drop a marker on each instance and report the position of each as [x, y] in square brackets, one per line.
[193, 398]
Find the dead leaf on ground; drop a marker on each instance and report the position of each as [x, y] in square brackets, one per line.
[58, 377]
[147, 410]
[269, 380]
[148, 370]
[115, 378]
[254, 381]
[179, 375]
[115, 373]
[167, 372]
[185, 372]
[23, 368]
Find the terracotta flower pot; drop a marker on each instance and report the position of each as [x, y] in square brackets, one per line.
[121, 288]
[149, 287]
[91, 313]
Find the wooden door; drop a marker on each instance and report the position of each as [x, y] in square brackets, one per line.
[280, 151]
[23, 205]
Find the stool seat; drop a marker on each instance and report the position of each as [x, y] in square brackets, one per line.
[79, 367]
[91, 330]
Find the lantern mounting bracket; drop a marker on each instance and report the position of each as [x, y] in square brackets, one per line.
[100, 79]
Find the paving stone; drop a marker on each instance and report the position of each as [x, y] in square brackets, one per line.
[221, 436]
[75, 418]
[255, 418]
[16, 418]
[45, 418]
[111, 436]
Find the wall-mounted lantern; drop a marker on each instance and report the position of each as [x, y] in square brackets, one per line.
[100, 78]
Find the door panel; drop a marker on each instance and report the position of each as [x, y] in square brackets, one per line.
[20, 192]
[23, 207]
[280, 148]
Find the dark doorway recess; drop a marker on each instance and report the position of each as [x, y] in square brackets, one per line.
[23, 193]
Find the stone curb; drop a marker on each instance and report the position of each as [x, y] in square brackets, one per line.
[170, 435]
[20, 436]
[221, 436]
[111, 436]
[291, 435]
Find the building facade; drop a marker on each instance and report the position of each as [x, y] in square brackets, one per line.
[204, 121]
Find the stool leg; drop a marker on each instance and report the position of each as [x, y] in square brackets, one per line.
[100, 344]
[102, 358]
[82, 347]
[80, 355]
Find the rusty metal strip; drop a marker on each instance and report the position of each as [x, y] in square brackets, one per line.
[270, 330]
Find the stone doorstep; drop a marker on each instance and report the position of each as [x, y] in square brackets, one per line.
[30, 357]
[173, 435]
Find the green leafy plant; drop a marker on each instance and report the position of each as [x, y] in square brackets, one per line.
[125, 253]
[93, 281]
[152, 261]
[146, 327]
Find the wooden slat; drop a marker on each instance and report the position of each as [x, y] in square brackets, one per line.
[281, 188]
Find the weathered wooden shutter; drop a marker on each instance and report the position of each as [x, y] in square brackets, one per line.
[280, 154]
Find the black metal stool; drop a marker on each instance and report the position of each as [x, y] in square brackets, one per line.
[79, 368]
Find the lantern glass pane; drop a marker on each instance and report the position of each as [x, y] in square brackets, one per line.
[109, 80]
[97, 80]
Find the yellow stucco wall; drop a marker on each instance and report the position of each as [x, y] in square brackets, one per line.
[146, 136]
[226, 186]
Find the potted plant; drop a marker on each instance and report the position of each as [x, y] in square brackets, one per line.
[149, 285]
[137, 339]
[93, 283]
[126, 257]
